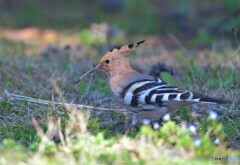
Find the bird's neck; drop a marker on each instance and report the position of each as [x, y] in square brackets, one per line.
[116, 76]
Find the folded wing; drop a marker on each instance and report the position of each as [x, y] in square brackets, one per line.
[145, 92]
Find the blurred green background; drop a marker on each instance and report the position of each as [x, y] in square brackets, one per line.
[46, 45]
[194, 20]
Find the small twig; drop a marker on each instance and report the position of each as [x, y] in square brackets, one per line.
[54, 110]
[236, 144]
[46, 102]
[177, 42]
[234, 125]
[37, 127]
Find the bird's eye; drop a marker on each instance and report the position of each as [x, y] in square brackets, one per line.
[107, 61]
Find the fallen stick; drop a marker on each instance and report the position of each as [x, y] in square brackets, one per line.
[46, 102]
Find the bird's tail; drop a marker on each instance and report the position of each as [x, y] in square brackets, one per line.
[205, 99]
[214, 100]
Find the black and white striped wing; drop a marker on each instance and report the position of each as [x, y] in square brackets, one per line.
[155, 92]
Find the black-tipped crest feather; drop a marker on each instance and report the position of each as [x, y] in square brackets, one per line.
[140, 42]
[130, 46]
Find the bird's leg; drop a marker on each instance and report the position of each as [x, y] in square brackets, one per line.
[134, 119]
[134, 123]
[126, 121]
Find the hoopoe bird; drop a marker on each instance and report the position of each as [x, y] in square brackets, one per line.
[147, 97]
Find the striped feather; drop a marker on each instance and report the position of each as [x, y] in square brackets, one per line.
[147, 92]
[128, 97]
[146, 95]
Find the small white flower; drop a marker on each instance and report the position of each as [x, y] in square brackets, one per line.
[197, 142]
[166, 117]
[192, 128]
[155, 126]
[217, 141]
[1, 99]
[146, 121]
[213, 115]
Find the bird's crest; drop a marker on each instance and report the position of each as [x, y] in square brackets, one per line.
[125, 48]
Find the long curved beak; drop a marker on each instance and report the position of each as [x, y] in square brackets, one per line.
[96, 68]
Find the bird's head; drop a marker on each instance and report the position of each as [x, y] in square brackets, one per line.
[114, 60]
[117, 57]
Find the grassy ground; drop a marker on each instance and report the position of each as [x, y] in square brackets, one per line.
[27, 129]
